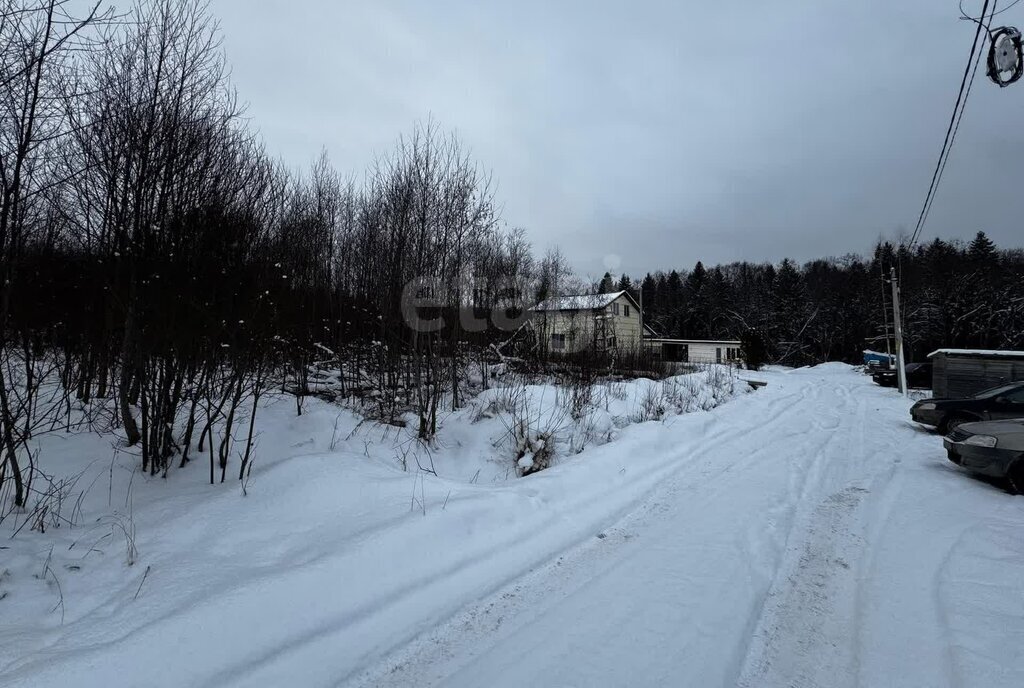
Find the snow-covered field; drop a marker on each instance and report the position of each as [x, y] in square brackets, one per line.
[803, 535]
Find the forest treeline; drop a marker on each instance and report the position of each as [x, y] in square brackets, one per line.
[155, 257]
[953, 294]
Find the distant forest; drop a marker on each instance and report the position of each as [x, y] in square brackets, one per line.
[954, 294]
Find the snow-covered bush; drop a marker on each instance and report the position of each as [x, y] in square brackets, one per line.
[721, 382]
[534, 450]
[577, 397]
[651, 404]
[505, 400]
[525, 424]
[616, 390]
[536, 418]
[594, 429]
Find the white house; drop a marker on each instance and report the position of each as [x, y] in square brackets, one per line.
[603, 322]
[597, 322]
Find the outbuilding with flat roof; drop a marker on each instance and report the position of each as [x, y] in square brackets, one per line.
[961, 373]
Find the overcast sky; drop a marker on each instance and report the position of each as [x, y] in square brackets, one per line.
[661, 132]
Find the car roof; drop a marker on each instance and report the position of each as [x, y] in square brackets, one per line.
[1007, 386]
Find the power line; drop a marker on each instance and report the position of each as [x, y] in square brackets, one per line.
[956, 129]
[994, 13]
[961, 103]
[964, 15]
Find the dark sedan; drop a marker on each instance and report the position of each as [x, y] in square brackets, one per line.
[993, 448]
[997, 403]
[919, 376]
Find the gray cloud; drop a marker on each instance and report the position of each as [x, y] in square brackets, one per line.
[664, 132]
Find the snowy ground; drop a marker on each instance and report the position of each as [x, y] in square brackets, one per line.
[803, 535]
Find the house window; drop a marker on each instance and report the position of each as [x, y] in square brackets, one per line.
[625, 311]
[615, 308]
[558, 342]
[718, 355]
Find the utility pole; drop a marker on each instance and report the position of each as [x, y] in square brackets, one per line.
[641, 294]
[885, 317]
[901, 370]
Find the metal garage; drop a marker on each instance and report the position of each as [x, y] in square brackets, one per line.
[963, 372]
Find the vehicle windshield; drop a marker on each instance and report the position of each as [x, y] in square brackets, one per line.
[996, 391]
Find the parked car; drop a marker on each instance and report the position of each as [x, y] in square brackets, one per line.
[919, 376]
[875, 360]
[992, 448]
[997, 403]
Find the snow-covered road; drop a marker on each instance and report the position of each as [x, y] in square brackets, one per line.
[803, 535]
[810, 537]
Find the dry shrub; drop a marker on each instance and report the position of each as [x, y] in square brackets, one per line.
[534, 451]
[652, 405]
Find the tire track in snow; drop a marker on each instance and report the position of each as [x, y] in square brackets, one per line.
[798, 639]
[941, 609]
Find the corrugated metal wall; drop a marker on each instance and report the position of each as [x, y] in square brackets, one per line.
[961, 376]
[939, 387]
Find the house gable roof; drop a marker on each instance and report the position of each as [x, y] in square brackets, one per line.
[582, 302]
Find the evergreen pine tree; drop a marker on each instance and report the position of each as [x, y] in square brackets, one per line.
[982, 249]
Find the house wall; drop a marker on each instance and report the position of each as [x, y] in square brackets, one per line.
[577, 326]
[711, 352]
[701, 351]
[626, 328]
[961, 376]
[581, 327]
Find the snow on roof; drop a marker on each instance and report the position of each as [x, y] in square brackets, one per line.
[978, 352]
[673, 340]
[582, 302]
